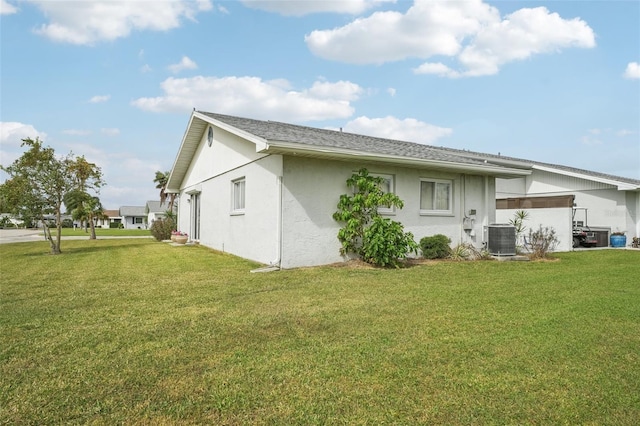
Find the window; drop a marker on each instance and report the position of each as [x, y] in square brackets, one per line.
[238, 196]
[436, 196]
[387, 187]
[137, 220]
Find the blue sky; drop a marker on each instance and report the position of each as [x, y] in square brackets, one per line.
[551, 81]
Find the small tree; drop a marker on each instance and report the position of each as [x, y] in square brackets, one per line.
[36, 186]
[518, 222]
[375, 239]
[542, 241]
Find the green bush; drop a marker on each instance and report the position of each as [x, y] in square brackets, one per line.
[385, 242]
[435, 247]
[161, 228]
[114, 225]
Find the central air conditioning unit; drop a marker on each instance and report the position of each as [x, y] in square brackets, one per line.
[502, 239]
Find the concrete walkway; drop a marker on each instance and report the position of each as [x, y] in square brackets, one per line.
[26, 235]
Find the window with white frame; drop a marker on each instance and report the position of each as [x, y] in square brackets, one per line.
[238, 196]
[387, 187]
[436, 196]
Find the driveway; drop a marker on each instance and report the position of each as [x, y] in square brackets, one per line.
[26, 235]
[20, 235]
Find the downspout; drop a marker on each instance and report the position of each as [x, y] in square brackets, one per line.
[278, 225]
[463, 205]
[275, 264]
[485, 219]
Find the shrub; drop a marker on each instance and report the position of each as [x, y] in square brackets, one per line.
[365, 233]
[435, 247]
[542, 242]
[385, 242]
[67, 223]
[161, 229]
[467, 251]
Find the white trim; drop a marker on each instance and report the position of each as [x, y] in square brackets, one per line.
[437, 212]
[235, 194]
[622, 186]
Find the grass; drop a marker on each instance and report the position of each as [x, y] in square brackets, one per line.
[141, 332]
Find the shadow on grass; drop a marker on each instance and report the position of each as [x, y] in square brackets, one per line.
[77, 247]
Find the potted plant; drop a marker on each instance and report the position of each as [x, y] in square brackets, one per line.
[618, 239]
[179, 237]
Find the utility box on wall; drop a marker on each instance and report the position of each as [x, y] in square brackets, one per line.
[501, 239]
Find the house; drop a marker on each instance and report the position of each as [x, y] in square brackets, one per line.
[134, 217]
[156, 210]
[110, 217]
[603, 202]
[266, 190]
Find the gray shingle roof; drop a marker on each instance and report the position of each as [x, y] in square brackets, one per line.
[501, 159]
[156, 207]
[283, 132]
[133, 211]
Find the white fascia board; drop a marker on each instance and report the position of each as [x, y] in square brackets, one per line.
[190, 142]
[261, 143]
[622, 186]
[487, 169]
[176, 170]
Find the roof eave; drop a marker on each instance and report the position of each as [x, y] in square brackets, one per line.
[189, 146]
[277, 147]
[622, 186]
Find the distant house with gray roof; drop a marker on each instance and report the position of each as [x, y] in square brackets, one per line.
[267, 190]
[156, 210]
[134, 217]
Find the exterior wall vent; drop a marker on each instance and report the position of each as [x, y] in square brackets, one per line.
[502, 239]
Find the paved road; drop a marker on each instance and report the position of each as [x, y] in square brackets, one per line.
[26, 235]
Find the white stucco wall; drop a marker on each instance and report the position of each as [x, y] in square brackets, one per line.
[560, 219]
[607, 207]
[312, 188]
[253, 234]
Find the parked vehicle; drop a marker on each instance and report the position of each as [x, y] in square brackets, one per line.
[582, 234]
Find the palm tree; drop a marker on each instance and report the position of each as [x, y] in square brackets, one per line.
[161, 180]
[85, 208]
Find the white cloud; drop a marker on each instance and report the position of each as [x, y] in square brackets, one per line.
[306, 7]
[89, 22]
[7, 8]
[471, 32]
[145, 69]
[624, 132]
[12, 133]
[99, 98]
[409, 129]
[251, 96]
[391, 91]
[185, 64]
[110, 131]
[76, 132]
[632, 71]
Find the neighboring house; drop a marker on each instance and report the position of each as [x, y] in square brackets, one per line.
[112, 216]
[267, 191]
[155, 210]
[134, 217]
[603, 202]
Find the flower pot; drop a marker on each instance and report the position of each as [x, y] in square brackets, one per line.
[181, 239]
[618, 240]
[173, 238]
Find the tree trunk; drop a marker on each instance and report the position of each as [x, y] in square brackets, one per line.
[93, 228]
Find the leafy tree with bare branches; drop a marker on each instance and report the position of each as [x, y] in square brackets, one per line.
[36, 186]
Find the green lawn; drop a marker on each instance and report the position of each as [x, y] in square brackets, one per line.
[70, 232]
[140, 332]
